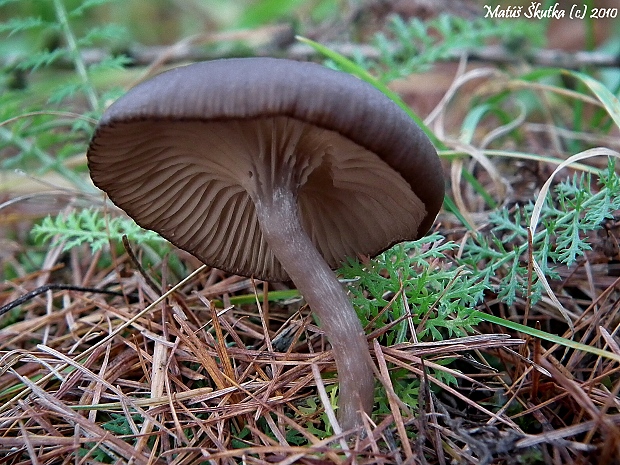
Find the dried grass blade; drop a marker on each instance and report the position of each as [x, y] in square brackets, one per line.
[452, 391]
[112, 335]
[158, 375]
[395, 403]
[118, 446]
[194, 395]
[205, 359]
[611, 342]
[220, 342]
[89, 374]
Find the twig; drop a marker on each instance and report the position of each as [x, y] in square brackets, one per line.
[149, 281]
[53, 287]
[194, 50]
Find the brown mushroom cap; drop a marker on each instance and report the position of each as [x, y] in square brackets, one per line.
[188, 152]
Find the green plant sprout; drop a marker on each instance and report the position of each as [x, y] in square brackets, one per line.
[411, 46]
[574, 209]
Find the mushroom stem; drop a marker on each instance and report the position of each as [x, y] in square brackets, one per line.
[279, 220]
[282, 229]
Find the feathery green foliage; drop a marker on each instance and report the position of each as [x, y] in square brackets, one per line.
[575, 208]
[38, 36]
[91, 227]
[53, 22]
[413, 280]
[410, 46]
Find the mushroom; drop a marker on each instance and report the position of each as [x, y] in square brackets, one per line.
[274, 169]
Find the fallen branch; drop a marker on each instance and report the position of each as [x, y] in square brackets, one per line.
[279, 40]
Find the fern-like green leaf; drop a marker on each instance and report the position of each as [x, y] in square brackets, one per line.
[90, 227]
[16, 25]
[574, 208]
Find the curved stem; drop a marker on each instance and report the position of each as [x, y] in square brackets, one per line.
[321, 289]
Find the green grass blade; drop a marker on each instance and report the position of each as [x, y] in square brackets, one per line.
[609, 100]
[546, 336]
[353, 68]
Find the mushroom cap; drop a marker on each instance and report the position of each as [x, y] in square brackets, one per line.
[189, 152]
